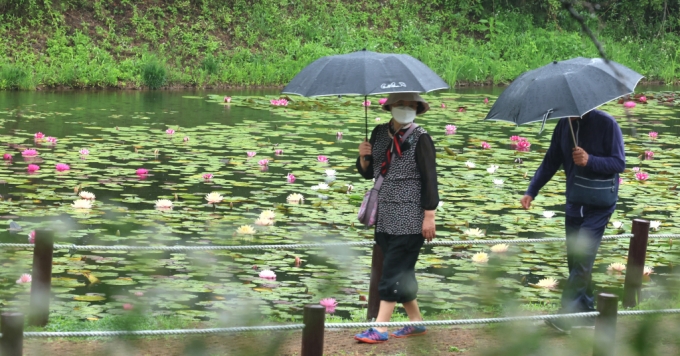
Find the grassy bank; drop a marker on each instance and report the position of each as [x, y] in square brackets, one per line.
[156, 44]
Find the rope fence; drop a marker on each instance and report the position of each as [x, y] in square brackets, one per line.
[314, 246]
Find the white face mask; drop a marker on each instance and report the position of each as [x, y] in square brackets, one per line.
[404, 115]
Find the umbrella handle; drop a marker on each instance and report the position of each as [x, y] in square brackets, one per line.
[571, 127]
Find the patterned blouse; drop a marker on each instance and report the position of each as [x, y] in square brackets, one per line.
[410, 185]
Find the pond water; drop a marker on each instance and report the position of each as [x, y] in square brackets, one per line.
[126, 131]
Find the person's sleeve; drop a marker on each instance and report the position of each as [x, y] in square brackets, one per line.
[368, 174]
[616, 161]
[427, 166]
[551, 163]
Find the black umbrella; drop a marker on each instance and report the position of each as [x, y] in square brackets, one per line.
[568, 88]
[364, 73]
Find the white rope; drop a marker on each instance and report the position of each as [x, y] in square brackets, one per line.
[309, 246]
[40, 334]
[648, 312]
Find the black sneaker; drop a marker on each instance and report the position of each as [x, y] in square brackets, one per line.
[584, 323]
[561, 325]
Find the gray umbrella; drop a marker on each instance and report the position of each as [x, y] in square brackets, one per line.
[568, 88]
[364, 73]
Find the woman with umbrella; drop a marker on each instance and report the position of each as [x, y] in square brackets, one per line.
[407, 201]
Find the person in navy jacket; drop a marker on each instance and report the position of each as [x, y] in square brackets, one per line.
[600, 150]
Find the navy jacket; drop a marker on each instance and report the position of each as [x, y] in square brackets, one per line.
[600, 136]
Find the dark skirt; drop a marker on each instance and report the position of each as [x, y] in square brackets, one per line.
[400, 253]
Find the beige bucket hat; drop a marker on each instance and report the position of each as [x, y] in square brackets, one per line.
[423, 106]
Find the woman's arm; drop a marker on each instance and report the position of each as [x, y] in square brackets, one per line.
[365, 168]
[429, 192]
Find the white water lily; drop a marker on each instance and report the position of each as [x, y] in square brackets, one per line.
[267, 214]
[440, 204]
[617, 224]
[548, 283]
[647, 271]
[655, 224]
[330, 172]
[616, 266]
[349, 188]
[163, 204]
[214, 198]
[86, 195]
[264, 222]
[320, 186]
[548, 214]
[476, 232]
[480, 257]
[500, 248]
[469, 164]
[498, 181]
[295, 198]
[82, 204]
[492, 169]
[245, 230]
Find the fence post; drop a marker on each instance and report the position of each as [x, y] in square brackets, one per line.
[604, 343]
[637, 251]
[313, 317]
[41, 284]
[376, 273]
[12, 329]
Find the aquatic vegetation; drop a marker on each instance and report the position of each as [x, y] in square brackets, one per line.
[29, 153]
[500, 248]
[338, 135]
[320, 186]
[647, 271]
[214, 198]
[128, 306]
[475, 232]
[263, 162]
[330, 304]
[7, 157]
[450, 129]
[492, 169]
[629, 104]
[548, 283]
[523, 145]
[278, 152]
[264, 222]
[322, 159]
[227, 99]
[245, 230]
[142, 171]
[86, 195]
[25, 278]
[208, 176]
[649, 154]
[82, 204]
[290, 178]
[52, 140]
[653, 135]
[170, 131]
[39, 136]
[443, 106]
[295, 198]
[470, 164]
[480, 257]
[163, 204]
[267, 274]
[33, 168]
[62, 167]
[498, 181]
[382, 101]
[31, 237]
[655, 225]
[641, 176]
[331, 172]
[84, 152]
[485, 145]
[617, 224]
[251, 153]
[366, 103]
[186, 139]
[616, 267]
[486, 101]
[548, 214]
[267, 214]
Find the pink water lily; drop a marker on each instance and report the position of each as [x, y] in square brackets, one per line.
[169, 131]
[338, 135]
[485, 145]
[366, 103]
[629, 104]
[486, 100]
[653, 135]
[642, 99]
[208, 176]
[31, 237]
[323, 159]
[251, 153]
[84, 152]
[128, 306]
[443, 106]
[278, 152]
[263, 162]
[642, 176]
[29, 153]
[186, 138]
[290, 178]
[142, 171]
[636, 169]
[139, 294]
[523, 145]
[649, 154]
[620, 180]
[62, 167]
[279, 102]
[330, 304]
[461, 109]
[33, 168]
[39, 135]
[267, 274]
[450, 129]
[52, 140]
[7, 157]
[227, 99]
[25, 278]
[381, 101]
[515, 138]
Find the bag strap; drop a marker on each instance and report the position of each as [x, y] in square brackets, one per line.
[379, 180]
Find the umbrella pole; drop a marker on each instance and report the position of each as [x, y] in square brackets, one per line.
[571, 127]
[366, 115]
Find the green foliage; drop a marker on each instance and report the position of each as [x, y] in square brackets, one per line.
[79, 44]
[154, 74]
[13, 77]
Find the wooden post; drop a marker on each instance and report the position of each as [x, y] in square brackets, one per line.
[604, 343]
[637, 251]
[376, 274]
[41, 285]
[313, 317]
[12, 329]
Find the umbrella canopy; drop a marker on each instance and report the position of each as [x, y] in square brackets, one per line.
[364, 73]
[568, 88]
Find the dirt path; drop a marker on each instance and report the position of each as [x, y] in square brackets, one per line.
[534, 339]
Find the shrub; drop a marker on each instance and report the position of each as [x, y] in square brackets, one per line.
[210, 64]
[154, 74]
[13, 77]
